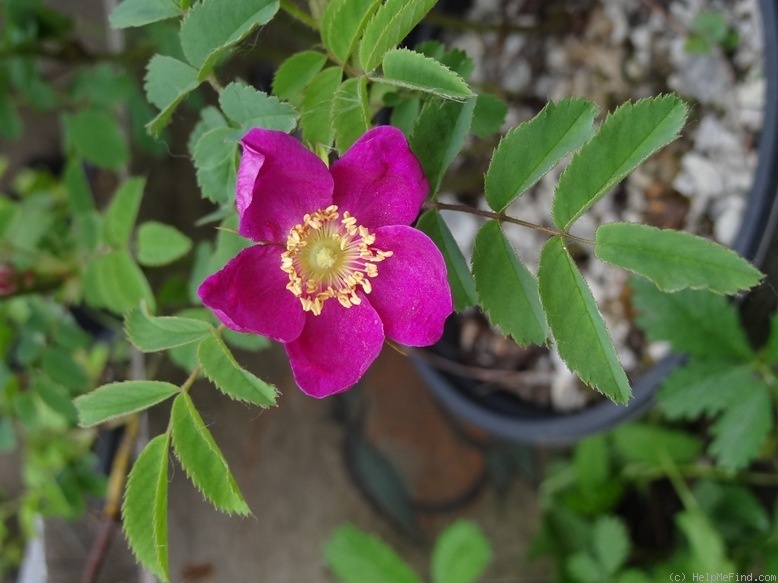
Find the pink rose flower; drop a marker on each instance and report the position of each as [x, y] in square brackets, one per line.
[336, 268]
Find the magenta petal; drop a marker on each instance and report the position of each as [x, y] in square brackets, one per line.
[279, 181]
[249, 295]
[335, 348]
[411, 292]
[379, 180]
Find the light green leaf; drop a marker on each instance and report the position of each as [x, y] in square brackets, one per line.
[582, 339]
[214, 158]
[743, 427]
[122, 211]
[94, 135]
[489, 115]
[508, 291]
[212, 26]
[114, 281]
[611, 543]
[140, 12]
[168, 81]
[144, 511]
[461, 554]
[591, 462]
[152, 333]
[674, 260]
[438, 135]
[160, 244]
[529, 151]
[391, 23]
[651, 444]
[60, 367]
[229, 377]
[201, 459]
[459, 277]
[210, 118]
[354, 556]
[626, 138]
[250, 108]
[79, 193]
[350, 114]
[295, 73]
[342, 23]
[707, 546]
[697, 322]
[117, 399]
[316, 106]
[412, 70]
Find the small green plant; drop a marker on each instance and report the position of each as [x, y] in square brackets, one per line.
[460, 555]
[708, 30]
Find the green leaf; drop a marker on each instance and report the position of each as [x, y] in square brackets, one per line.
[342, 23]
[404, 115]
[214, 158]
[350, 113]
[459, 277]
[626, 138]
[212, 26]
[650, 444]
[140, 12]
[160, 244]
[508, 291]
[697, 322]
[674, 260]
[412, 70]
[250, 108]
[60, 367]
[591, 463]
[703, 387]
[168, 81]
[461, 554]
[201, 459]
[354, 556]
[114, 281]
[489, 115]
[295, 73]
[316, 106]
[210, 119]
[771, 348]
[438, 135]
[79, 193]
[95, 136]
[144, 511]
[117, 399]
[229, 377]
[391, 23]
[11, 126]
[611, 543]
[582, 339]
[533, 148]
[152, 333]
[707, 546]
[122, 211]
[743, 427]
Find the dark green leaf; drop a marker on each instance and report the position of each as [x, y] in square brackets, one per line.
[674, 260]
[743, 427]
[404, 115]
[152, 333]
[342, 23]
[295, 73]
[229, 377]
[250, 108]
[489, 115]
[168, 81]
[144, 511]
[60, 367]
[438, 135]
[461, 554]
[201, 459]
[317, 104]
[508, 291]
[117, 399]
[459, 276]
[533, 148]
[626, 138]
[578, 327]
[140, 12]
[412, 70]
[160, 244]
[95, 136]
[357, 557]
[350, 114]
[771, 349]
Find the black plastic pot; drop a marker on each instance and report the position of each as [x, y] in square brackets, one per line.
[507, 417]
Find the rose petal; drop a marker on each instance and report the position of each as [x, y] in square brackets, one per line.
[279, 181]
[249, 295]
[379, 180]
[335, 348]
[411, 292]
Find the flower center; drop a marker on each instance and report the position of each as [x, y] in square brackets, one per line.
[330, 257]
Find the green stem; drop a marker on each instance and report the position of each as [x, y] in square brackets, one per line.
[503, 218]
[292, 10]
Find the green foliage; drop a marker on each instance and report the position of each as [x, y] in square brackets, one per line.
[201, 459]
[160, 244]
[655, 445]
[317, 104]
[214, 158]
[412, 70]
[625, 139]
[121, 398]
[115, 282]
[342, 23]
[120, 216]
[144, 510]
[152, 333]
[578, 328]
[140, 12]
[295, 73]
[250, 108]
[708, 30]
[94, 135]
[496, 269]
[489, 115]
[461, 554]
[530, 150]
[350, 113]
[168, 81]
[674, 260]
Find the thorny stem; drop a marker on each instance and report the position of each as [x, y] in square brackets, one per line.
[463, 208]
